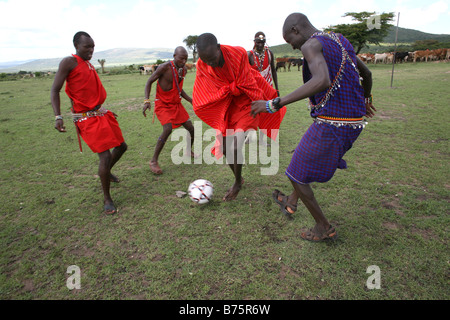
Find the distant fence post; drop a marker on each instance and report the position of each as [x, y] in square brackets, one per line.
[395, 49]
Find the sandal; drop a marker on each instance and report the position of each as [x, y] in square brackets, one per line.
[286, 208]
[309, 235]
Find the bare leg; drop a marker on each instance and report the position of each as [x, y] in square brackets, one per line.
[104, 171]
[116, 154]
[306, 194]
[154, 166]
[190, 128]
[235, 161]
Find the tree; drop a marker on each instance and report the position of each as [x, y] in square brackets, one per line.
[191, 43]
[102, 64]
[364, 30]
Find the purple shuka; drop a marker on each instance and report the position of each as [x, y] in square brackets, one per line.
[322, 147]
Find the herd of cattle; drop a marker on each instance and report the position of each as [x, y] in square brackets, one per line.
[150, 68]
[283, 63]
[415, 56]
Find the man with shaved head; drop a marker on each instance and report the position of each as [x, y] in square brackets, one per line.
[168, 108]
[338, 102]
[224, 88]
[96, 125]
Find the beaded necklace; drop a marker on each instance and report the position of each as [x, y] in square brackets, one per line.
[91, 67]
[336, 82]
[180, 73]
[260, 58]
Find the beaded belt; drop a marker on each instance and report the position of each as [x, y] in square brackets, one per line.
[94, 113]
[355, 123]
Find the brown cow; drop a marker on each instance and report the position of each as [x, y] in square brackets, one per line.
[421, 54]
[367, 57]
[440, 54]
[190, 66]
[283, 63]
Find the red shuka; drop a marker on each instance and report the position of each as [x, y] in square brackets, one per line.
[222, 97]
[168, 107]
[265, 68]
[84, 88]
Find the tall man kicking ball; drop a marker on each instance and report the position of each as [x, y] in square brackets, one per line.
[338, 103]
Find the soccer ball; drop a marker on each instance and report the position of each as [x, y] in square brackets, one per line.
[200, 191]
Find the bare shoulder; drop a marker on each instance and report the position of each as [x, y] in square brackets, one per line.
[68, 63]
[312, 45]
[164, 66]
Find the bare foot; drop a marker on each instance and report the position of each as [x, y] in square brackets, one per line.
[319, 233]
[114, 178]
[233, 192]
[154, 166]
[192, 155]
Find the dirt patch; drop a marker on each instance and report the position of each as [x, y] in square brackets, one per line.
[391, 225]
[393, 205]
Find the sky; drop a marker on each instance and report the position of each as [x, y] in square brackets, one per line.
[31, 29]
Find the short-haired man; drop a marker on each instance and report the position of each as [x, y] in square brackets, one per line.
[261, 59]
[338, 103]
[224, 88]
[97, 126]
[168, 108]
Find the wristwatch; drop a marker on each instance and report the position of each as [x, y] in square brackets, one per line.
[276, 103]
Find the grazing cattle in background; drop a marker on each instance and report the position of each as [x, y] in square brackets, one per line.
[296, 62]
[281, 64]
[410, 57]
[148, 68]
[447, 56]
[440, 54]
[367, 57]
[389, 58]
[190, 66]
[401, 56]
[144, 69]
[421, 54]
[362, 58]
[380, 57]
[284, 62]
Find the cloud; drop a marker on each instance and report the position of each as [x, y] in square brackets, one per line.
[44, 29]
[423, 17]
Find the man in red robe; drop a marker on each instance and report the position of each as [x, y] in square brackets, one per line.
[97, 126]
[262, 60]
[168, 108]
[224, 89]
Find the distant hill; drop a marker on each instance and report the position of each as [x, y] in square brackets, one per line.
[411, 35]
[113, 57]
[5, 65]
[404, 36]
[129, 56]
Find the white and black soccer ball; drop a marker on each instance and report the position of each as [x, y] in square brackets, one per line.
[200, 191]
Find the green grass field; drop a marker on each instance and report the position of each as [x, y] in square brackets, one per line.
[391, 206]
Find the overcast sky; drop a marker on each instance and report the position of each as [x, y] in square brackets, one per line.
[31, 29]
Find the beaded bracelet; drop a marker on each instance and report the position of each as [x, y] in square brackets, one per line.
[59, 117]
[269, 106]
[147, 101]
[369, 99]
